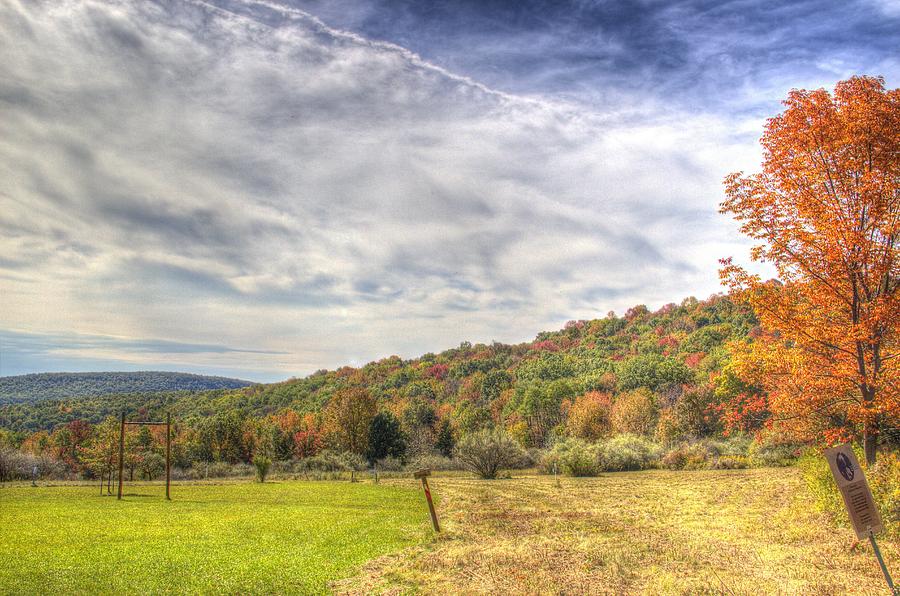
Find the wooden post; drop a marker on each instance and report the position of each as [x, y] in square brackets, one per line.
[423, 475]
[121, 455]
[168, 450]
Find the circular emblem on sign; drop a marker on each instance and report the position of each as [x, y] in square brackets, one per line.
[845, 466]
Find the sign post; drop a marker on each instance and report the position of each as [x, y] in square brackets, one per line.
[864, 515]
[423, 475]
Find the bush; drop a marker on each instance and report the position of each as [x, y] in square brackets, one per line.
[262, 465]
[668, 431]
[627, 452]
[695, 412]
[389, 464]
[588, 417]
[687, 456]
[333, 461]
[486, 452]
[221, 469]
[15, 465]
[575, 457]
[572, 457]
[883, 478]
[773, 452]
[549, 462]
[635, 412]
[432, 462]
[731, 462]
[708, 454]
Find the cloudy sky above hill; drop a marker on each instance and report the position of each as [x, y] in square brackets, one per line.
[263, 189]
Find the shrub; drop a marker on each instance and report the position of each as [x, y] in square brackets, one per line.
[486, 452]
[695, 412]
[627, 452]
[708, 454]
[262, 465]
[573, 457]
[588, 417]
[883, 478]
[635, 412]
[16, 465]
[738, 445]
[687, 456]
[731, 462]
[432, 462]
[549, 462]
[389, 464]
[668, 430]
[772, 451]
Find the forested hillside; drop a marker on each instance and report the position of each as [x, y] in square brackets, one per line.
[55, 386]
[530, 388]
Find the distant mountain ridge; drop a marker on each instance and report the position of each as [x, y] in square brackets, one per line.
[54, 386]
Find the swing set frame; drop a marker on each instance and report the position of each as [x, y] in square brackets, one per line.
[168, 425]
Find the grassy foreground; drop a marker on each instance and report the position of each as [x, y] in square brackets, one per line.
[658, 532]
[291, 537]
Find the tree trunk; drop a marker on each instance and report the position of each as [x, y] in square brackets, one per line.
[870, 442]
[870, 424]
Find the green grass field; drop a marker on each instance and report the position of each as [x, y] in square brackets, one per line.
[238, 537]
[656, 532]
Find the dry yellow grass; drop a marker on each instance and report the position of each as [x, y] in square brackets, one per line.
[658, 532]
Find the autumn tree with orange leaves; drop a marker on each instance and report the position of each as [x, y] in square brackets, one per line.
[826, 211]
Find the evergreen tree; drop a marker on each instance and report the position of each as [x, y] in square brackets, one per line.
[385, 438]
[445, 441]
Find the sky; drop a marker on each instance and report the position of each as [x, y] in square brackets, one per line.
[265, 189]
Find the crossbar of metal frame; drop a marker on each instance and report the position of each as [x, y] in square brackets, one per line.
[146, 423]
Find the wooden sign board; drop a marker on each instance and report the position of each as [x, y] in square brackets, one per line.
[422, 474]
[857, 497]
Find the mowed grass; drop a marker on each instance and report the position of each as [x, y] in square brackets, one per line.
[241, 537]
[656, 532]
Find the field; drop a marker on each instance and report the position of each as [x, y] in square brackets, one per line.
[226, 538]
[707, 532]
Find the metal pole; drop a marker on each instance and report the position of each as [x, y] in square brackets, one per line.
[884, 569]
[121, 454]
[434, 519]
[168, 449]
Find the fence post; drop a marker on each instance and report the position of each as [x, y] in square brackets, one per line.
[121, 454]
[423, 475]
[168, 449]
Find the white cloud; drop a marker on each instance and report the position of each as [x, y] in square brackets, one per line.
[183, 173]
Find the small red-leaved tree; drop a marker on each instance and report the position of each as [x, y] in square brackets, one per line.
[826, 210]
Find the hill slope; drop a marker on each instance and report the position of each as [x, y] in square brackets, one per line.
[523, 386]
[53, 386]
